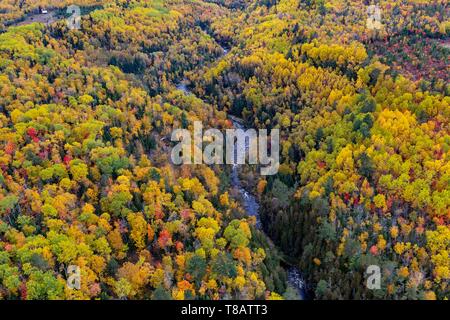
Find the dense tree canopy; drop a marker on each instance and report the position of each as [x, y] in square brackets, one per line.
[85, 124]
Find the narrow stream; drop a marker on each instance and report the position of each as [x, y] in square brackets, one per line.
[249, 201]
[251, 206]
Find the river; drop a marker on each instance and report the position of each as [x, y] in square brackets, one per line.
[251, 206]
[248, 201]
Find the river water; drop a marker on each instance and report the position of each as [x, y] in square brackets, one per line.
[249, 201]
[251, 206]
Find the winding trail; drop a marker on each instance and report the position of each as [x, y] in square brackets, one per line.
[52, 15]
[248, 200]
[44, 18]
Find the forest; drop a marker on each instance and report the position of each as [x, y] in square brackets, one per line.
[86, 179]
